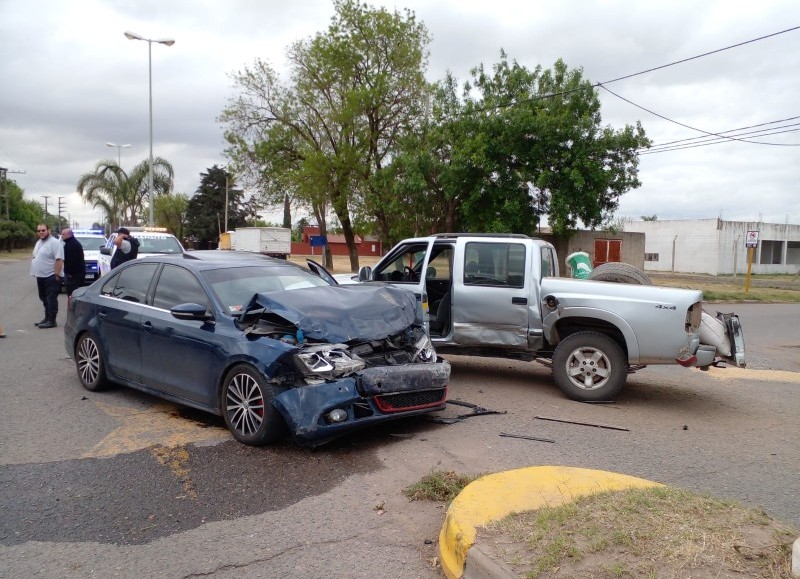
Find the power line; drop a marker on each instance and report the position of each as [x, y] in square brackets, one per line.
[729, 131]
[716, 142]
[695, 128]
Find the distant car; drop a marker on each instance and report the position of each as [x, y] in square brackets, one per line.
[152, 241]
[91, 240]
[265, 343]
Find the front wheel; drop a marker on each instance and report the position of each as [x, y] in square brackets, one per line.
[90, 364]
[247, 407]
[589, 366]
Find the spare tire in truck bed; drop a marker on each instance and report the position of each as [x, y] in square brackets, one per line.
[620, 273]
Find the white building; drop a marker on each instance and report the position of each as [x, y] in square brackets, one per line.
[718, 247]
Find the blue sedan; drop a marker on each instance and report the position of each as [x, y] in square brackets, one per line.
[270, 346]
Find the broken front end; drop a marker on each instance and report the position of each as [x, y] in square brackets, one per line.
[358, 357]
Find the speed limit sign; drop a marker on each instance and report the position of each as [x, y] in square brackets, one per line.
[752, 239]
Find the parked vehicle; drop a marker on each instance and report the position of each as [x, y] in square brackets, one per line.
[91, 240]
[152, 241]
[272, 241]
[264, 343]
[501, 296]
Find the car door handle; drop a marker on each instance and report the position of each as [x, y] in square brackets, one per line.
[148, 326]
[519, 301]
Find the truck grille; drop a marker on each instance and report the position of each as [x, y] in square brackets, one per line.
[405, 401]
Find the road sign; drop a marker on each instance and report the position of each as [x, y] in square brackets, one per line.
[752, 239]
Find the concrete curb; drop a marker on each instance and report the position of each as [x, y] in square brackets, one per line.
[496, 495]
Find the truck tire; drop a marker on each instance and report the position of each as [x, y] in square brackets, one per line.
[589, 367]
[620, 273]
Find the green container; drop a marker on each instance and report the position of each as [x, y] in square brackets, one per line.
[580, 264]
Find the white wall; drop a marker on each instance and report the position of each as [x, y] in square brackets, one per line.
[717, 247]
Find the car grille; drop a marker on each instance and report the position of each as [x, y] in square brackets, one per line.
[405, 401]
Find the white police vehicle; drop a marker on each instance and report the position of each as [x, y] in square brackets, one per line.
[152, 241]
[91, 240]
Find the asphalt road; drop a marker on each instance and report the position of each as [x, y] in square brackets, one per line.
[122, 484]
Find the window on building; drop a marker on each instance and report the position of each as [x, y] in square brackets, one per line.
[771, 252]
[651, 257]
[793, 253]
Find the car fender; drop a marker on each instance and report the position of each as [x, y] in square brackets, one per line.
[551, 319]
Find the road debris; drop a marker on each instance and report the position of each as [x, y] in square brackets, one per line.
[608, 426]
[526, 437]
[476, 410]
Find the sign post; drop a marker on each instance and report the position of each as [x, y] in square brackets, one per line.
[751, 242]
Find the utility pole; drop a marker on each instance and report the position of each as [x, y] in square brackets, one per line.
[4, 189]
[46, 197]
[60, 209]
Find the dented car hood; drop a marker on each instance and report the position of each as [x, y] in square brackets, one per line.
[342, 313]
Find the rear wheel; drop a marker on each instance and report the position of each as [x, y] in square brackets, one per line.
[247, 407]
[589, 366]
[90, 364]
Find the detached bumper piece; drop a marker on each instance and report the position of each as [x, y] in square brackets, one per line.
[319, 413]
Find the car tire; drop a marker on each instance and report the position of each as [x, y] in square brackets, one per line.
[247, 407]
[90, 364]
[589, 367]
[620, 273]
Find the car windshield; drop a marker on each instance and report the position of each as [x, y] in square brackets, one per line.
[235, 287]
[159, 245]
[91, 243]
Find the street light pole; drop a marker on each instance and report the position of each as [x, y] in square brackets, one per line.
[150, 41]
[119, 151]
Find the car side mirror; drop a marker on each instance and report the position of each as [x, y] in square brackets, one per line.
[105, 251]
[191, 311]
[365, 273]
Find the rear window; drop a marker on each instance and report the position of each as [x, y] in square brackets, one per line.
[158, 244]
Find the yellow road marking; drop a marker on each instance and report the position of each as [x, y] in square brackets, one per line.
[731, 373]
[154, 426]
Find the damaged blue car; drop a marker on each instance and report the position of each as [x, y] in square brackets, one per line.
[268, 345]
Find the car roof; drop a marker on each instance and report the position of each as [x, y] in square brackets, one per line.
[196, 264]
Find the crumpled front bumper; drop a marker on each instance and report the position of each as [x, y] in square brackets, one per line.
[371, 396]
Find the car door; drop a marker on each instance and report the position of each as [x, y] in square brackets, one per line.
[178, 355]
[490, 303]
[119, 314]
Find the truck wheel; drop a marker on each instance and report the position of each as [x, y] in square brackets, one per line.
[620, 273]
[589, 366]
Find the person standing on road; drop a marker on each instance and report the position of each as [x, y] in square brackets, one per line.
[127, 247]
[46, 267]
[74, 262]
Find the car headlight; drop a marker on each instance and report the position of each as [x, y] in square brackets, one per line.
[424, 351]
[327, 361]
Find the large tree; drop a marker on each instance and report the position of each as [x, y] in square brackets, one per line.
[518, 146]
[205, 213]
[326, 137]
[170, 212]
[122, 196]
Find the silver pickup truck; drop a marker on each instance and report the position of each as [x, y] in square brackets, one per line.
[501, 296]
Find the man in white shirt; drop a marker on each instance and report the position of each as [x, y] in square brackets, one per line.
[47, 267]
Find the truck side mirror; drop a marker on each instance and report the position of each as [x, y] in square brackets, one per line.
[105, 251]
[365, 273]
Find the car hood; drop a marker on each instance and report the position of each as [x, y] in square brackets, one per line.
[339, 314]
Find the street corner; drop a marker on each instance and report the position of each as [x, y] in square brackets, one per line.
[496, 495]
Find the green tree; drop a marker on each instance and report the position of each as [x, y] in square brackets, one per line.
[205, 212]
[518, 146]
[123, 197]
[325, 140]
[170, 212]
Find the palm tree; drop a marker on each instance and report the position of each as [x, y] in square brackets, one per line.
[122, 196]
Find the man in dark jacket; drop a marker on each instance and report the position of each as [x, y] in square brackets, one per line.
[74, 262]
[127, 247]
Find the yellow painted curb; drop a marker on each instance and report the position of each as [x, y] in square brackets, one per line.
[496, 495]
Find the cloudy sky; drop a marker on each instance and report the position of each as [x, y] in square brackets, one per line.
[70, 82]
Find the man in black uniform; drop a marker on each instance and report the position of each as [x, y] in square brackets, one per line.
[74, 263]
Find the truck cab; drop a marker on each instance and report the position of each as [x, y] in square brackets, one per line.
[493, 279]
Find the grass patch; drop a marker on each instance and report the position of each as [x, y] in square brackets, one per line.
[762, 295]
[440, 486]
[654, 532]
